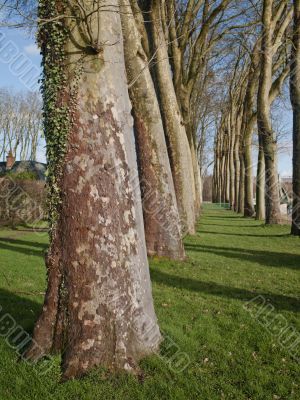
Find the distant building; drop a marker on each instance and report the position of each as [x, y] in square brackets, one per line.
[18, 167]
[22, 192]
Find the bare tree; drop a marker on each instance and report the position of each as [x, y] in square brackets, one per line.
[20, 124]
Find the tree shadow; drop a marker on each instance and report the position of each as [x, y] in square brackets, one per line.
[262, 257]
[23, 310]
[224, 216]
[230, 225]
[281, 302]
[24, 242]
[245, 234]
[15, 245]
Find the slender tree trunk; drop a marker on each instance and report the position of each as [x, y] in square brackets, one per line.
[231, 159]
[197, 180]
[242, 185]
[227, 173]
[265, 131]
[97, 265]
[184, 99]
[237, 164]
[217, 169]
[223, 178]
[216, 179]
[248, 197]
[161, 218]
[295, 99]
[260, 184]
[248, 127]
[177, 142]
[236, 181]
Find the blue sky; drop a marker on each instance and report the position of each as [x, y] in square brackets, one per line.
[20, 69]
[18, 49]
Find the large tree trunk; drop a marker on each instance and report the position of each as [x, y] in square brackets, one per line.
[177, 142]
[295, 99]
[263, 119]
[98, 270]
[161, 217]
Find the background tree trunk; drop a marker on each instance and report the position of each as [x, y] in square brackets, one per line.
[260, 184]
[237, 164]
[231, 157]
[161, 218]
[263, 118]
[248, 196]
[177, 142]
[242, 185]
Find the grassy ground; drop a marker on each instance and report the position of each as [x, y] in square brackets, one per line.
[201, 309]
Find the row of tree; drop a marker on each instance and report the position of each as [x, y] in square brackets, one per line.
[20, 124]
[117, 186]
[263, 63]
[128, 104]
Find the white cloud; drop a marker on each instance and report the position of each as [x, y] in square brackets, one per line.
[32, 49]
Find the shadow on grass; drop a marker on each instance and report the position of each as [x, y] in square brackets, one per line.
[203, 223]
[23, 309]
[262, 257]
[225, 216]
[245, 234]
[33, 249]
[281, 302]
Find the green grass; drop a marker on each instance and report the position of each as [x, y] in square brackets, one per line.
[200, 306]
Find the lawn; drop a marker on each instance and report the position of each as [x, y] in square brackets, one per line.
[216, 345]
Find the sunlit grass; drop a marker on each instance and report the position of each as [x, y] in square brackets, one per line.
[199, 304]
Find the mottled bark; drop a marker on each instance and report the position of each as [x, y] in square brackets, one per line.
[177, 142]
[295, 99]
[99, 247]
[161, 217]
